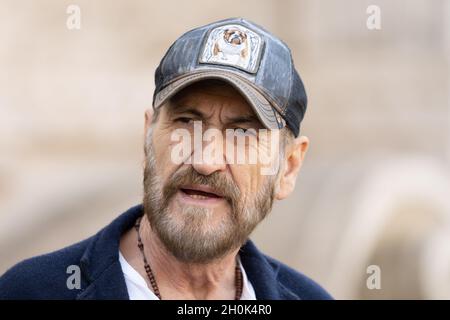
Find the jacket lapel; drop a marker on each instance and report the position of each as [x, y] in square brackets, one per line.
[100, 262]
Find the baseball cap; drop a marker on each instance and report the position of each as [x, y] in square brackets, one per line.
[255, 62]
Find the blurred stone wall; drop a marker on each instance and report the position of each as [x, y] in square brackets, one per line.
[374, 189]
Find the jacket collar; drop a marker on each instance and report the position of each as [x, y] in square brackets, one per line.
[105, 280]
[263, 275]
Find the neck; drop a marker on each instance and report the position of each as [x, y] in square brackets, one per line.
[181, 280]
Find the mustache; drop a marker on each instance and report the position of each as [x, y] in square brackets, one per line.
[217, 181]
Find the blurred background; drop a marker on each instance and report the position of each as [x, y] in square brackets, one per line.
[373, 191]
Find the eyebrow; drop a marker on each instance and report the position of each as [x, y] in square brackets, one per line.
[243, 119]
[190, 110]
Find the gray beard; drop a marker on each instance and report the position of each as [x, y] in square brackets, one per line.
[189, 236]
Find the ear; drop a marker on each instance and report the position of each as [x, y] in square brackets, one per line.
[148, 120]
[294, 156]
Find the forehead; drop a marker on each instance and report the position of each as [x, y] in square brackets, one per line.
[209, 95]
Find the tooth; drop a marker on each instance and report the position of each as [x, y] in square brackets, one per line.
[197, 196]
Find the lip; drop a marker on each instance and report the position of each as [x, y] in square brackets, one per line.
[207, 201]
[203, 188]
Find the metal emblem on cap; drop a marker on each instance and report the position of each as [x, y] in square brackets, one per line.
[233, 45]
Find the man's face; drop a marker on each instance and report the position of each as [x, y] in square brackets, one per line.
[204, 210]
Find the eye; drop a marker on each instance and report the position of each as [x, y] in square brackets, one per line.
[245, 131]
[184, 120]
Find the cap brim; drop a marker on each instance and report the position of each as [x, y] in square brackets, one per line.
[262, 107]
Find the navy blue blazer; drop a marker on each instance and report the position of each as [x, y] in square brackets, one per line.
[45, 276]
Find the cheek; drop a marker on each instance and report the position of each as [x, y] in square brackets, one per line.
[162, 146]
[251, 176]
[247, 178]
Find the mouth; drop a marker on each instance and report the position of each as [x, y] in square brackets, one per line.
[200, 194]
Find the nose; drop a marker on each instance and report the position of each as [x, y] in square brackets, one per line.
[208, 156]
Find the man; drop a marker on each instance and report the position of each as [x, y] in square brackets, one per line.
[202, 197]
